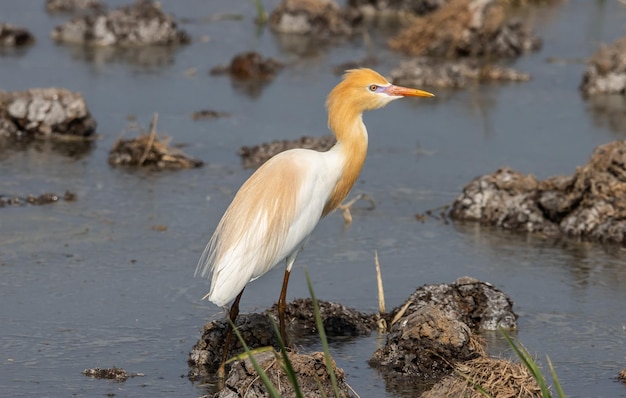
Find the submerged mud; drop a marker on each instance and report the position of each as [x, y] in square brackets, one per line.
[591, 204]
[37, 200]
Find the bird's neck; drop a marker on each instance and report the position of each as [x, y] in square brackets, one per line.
[351, 148]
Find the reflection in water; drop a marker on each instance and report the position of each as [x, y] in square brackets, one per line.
[608, 111]
[588, 263]
[147, 57]
[73, 149]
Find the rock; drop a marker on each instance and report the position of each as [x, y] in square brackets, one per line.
[422, 72]
[322, 18]
[250, 72]
[424, 347]
[74, 5]
[622, 376]
[140, 24]
[590, 205]
[498, 377]
[257, 155]
[44, 112]
[606, 70]
[466, 28]
[310, 371]
[14, 36]
[479, 305]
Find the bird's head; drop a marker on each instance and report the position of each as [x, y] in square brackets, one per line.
[365, 89]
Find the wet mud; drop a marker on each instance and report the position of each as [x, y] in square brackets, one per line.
[386, 8]
[428, 336]
[44, 112]
[71, 6]
[148, 150]
[116, 374]
[208, 114]
[423, 72]
[606, 70]
[14, 36]
[140, 24]
[37, 200]
[310, 371]
[322, 18]
[466, 28]
[250, 72]
[591, 204]
[255, 156]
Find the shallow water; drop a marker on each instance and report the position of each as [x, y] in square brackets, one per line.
[90, 283]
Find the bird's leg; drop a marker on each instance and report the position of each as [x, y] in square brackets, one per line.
[232, 315]
[282, 306]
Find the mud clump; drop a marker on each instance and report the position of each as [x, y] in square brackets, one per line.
[74, 5]
[424, 71]
[606, 71]
[43, 199]
[14, 36]
[498, 377]
[117, 374]
[622, 376]
[424, 346]
[44, 112]
[257, 155]
[208, 114]
[250, 66]
[466, 28]
[257, 331]
[140, 24]
[590, 205]
[479, 305]
[322, 18]
[396, 8]
[338, 320]
[310, 370]
[147, 150]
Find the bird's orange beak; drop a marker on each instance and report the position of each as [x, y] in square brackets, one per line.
[407, 92]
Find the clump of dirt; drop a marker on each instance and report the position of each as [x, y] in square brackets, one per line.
[338, 320]
[147, 150]
[498, 377]
[208, 114]
[139, 24]
[44, 112]
[257, 155]
[14, 36]
[250, 66]
[74, 5]
[397, 7]
[43, 199]
[591, 204]
[479, 305]
[117, 374]
[425, 345]
[466, 28]
[206, 355]
[256, 330]
[310, 370]
[322, 18]
[606, 70]
[422, 72]
[622, 376]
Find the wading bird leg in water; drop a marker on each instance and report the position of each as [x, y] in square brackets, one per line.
[232, 315]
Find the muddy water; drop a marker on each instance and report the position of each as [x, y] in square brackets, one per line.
[93, 283]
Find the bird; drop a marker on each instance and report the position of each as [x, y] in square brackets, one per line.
[275, 211]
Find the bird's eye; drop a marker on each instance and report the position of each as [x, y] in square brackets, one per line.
[373, 88]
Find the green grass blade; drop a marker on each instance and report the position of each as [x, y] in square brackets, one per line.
[261, 14]
[288, 367]
[529, 363]
[322, 333]
[555, 378]
[266, 381]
